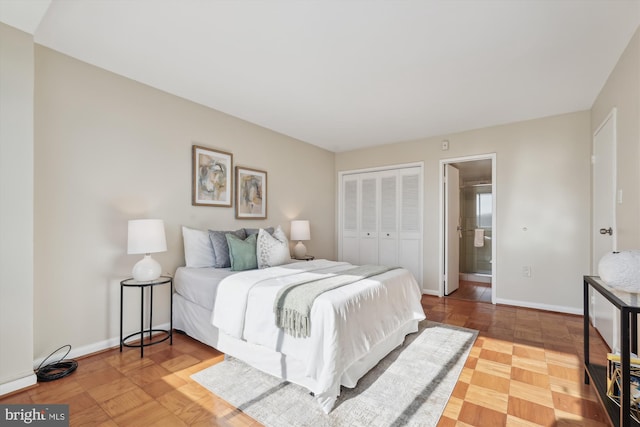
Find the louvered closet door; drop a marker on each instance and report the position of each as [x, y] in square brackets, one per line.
[388, 231]
[350, 212]
[381, 218]
[368, 244]
[410, 230]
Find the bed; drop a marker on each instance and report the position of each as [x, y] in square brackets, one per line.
[352, 327]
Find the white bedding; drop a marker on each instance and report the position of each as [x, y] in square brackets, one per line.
[348, 324]
[199, 285]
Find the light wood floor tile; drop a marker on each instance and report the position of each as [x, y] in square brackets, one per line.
[498, 345]
[565, 419]
[125, 402]
[492, 382]
[519, 422]
[454, 406]
[487, 398]
[494, 368]
[529, 352]
[480, 416]
[496, 356]
[92, 416]
[530, 377]
[538, 366]
[111, 389]
[572, 388]
[151, 414]
[540, 395]
[531, 411]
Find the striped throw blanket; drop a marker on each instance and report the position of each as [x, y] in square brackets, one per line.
[293, 302]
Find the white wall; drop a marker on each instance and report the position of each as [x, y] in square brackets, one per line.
[543, 185]
[16, 209]
[108, 149]
[622, 91]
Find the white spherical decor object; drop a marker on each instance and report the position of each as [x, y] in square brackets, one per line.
[621, 270]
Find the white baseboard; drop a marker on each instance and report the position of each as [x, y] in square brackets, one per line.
[18, 384]
[524, 304]
[92, 348]
[546, 307]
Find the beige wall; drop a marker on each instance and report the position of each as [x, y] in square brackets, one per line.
[16, 209]
[543, 185]
[622, 91]
[108, 149]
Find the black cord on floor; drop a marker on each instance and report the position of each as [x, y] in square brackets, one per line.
[56, 370]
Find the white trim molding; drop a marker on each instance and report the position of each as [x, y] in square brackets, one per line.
[18, 384]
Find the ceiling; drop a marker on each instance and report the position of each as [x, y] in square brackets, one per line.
[347, 74]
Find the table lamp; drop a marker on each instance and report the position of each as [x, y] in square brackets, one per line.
[146, 236]
[300, 231]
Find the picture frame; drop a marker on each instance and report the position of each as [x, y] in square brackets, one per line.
[212, 177]
[251, 193]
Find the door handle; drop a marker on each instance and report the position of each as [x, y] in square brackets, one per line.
[608, 231]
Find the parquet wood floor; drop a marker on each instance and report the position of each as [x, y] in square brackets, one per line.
[525, 369]
[472, 291]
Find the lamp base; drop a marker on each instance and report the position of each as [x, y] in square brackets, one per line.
[146, 269]
[299, 251]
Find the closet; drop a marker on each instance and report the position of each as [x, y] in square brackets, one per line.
[380, 217]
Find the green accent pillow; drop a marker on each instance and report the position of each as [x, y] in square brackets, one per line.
[242, 252]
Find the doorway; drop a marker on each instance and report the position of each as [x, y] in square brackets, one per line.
[604, 316]
[468, 243]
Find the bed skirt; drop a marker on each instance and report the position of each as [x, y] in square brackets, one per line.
[195, 321]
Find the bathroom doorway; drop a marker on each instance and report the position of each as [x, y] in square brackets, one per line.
[468, 229]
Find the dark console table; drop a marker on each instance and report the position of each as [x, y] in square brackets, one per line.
[629, 306]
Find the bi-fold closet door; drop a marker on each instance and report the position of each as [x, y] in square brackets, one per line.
[381, 218]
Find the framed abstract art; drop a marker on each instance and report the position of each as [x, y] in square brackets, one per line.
[212, 177]
[251, 193]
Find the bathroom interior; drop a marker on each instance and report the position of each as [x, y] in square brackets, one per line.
[475, 231]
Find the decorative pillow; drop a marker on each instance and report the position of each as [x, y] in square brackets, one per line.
[221, 247]
[242, 252]
[251, 231]
[198, 251]
[272, 250]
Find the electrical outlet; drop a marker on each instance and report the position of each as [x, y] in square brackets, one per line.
[526, 271]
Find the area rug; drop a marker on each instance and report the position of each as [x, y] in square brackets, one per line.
[409, 387]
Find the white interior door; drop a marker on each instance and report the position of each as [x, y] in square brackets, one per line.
[452, 232]
[388, 235]
[350, 234]
[369, 208]
[604, 315]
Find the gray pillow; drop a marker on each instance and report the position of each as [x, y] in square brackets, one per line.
[221, 247]
[242, 252]
[251, 231]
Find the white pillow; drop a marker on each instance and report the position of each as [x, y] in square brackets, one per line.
[272, 250]
[198, 251]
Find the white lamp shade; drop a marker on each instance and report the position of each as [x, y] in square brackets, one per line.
[146, 236]
[300, 230]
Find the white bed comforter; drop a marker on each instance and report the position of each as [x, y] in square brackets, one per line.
[346, 323]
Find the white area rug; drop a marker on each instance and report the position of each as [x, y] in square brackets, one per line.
[409, 387]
